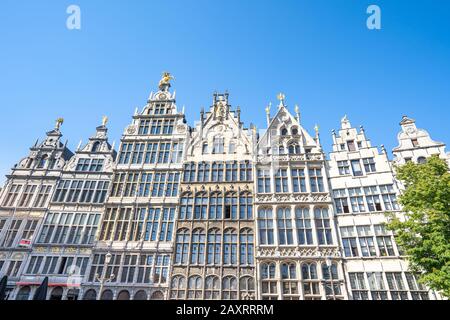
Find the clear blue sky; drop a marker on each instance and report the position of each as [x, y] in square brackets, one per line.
[319, 53]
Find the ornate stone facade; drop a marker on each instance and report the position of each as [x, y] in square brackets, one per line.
[213, 211]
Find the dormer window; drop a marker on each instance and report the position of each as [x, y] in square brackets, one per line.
[415, 143]
[42, 162]
[95, 146]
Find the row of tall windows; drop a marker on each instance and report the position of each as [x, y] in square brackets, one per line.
[217, 171]
[145, 184]
[296, 182]
[150, 152]
[81, 191]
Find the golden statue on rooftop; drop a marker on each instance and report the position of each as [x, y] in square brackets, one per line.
[104, 120]
[166, 77]
[59, 122]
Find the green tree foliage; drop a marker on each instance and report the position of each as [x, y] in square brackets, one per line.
[424, 233]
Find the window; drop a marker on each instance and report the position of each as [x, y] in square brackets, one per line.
[125, 153]
[218, 145]
[189, 172]
[12, 195]
[369, 165]
[349, 241]
[195, 287]
[356, 200]
[330, 274]
[284, 224]
[323, 226]
[13, 268]
[27, 195]
[247, 288]
[98, 263]
[415, 143]
[396, 286]
[245, 206]
[351, 145]
[182, 246]
[150, 153]
[231, 206]
[263, 181]
[303, 225]
[231, 171]
[358, 286]
[205, 148]
[340, 200]
[418, 290]
[265, 226]
[284, 132]
[289, 281]
[421, 160]
[215, 205]
[294, 149]
[356, 167]
[389, 197]
[11, 233]
[366, 241]
[186, 207]
[229, 288]
[152, 224]
[42, 197]
[161, 269]
[373, 198]
[212, 288]
[214, 246]
[232, 147]
[128, 268]
[230, 247]
[246, 247]
[343, 167]
[178, 287]
[281, 181]
[246, 171]
[198, 247]
[377, 286]
[217, 172]
[268, 283]
[28, 231]
[310, 282]
[42, 162]
[316, 180]
[298, 180]
[201, 205]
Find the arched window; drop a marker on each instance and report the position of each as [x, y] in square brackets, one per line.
[330, 275]
[246, 247]
[215, 206]
[107, 295]
[269, 284]
[157, 295]
[182, 246]
[178, 287]
[24, 293]
[294, 131]
[245, 206]
[284, 131]
[214, 246]
[91, 294]
[212, 288]
[186, 206]
[284, 224]
[140, 295]
[201, 205]
[229, 288]
[198, 247]
[56, 294]
[230, 247]
[231, 206]
[421, 160]
[294, 149]
[247, 288]
[95, 146]
[323, 227]
[123, 295]
[310, 281]
[42, 162]
[289, 281]
[281, 149]
[195, 287]
[265, 226]
[303, 224]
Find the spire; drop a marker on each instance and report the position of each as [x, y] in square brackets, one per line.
[345, 123]
[297, 112]
[317, 138]
[281, 97]
[268, 112]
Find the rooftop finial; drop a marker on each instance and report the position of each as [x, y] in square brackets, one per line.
[268, 108]
[59, 123]
[297, 112]
[281, 97]
[104, 120]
